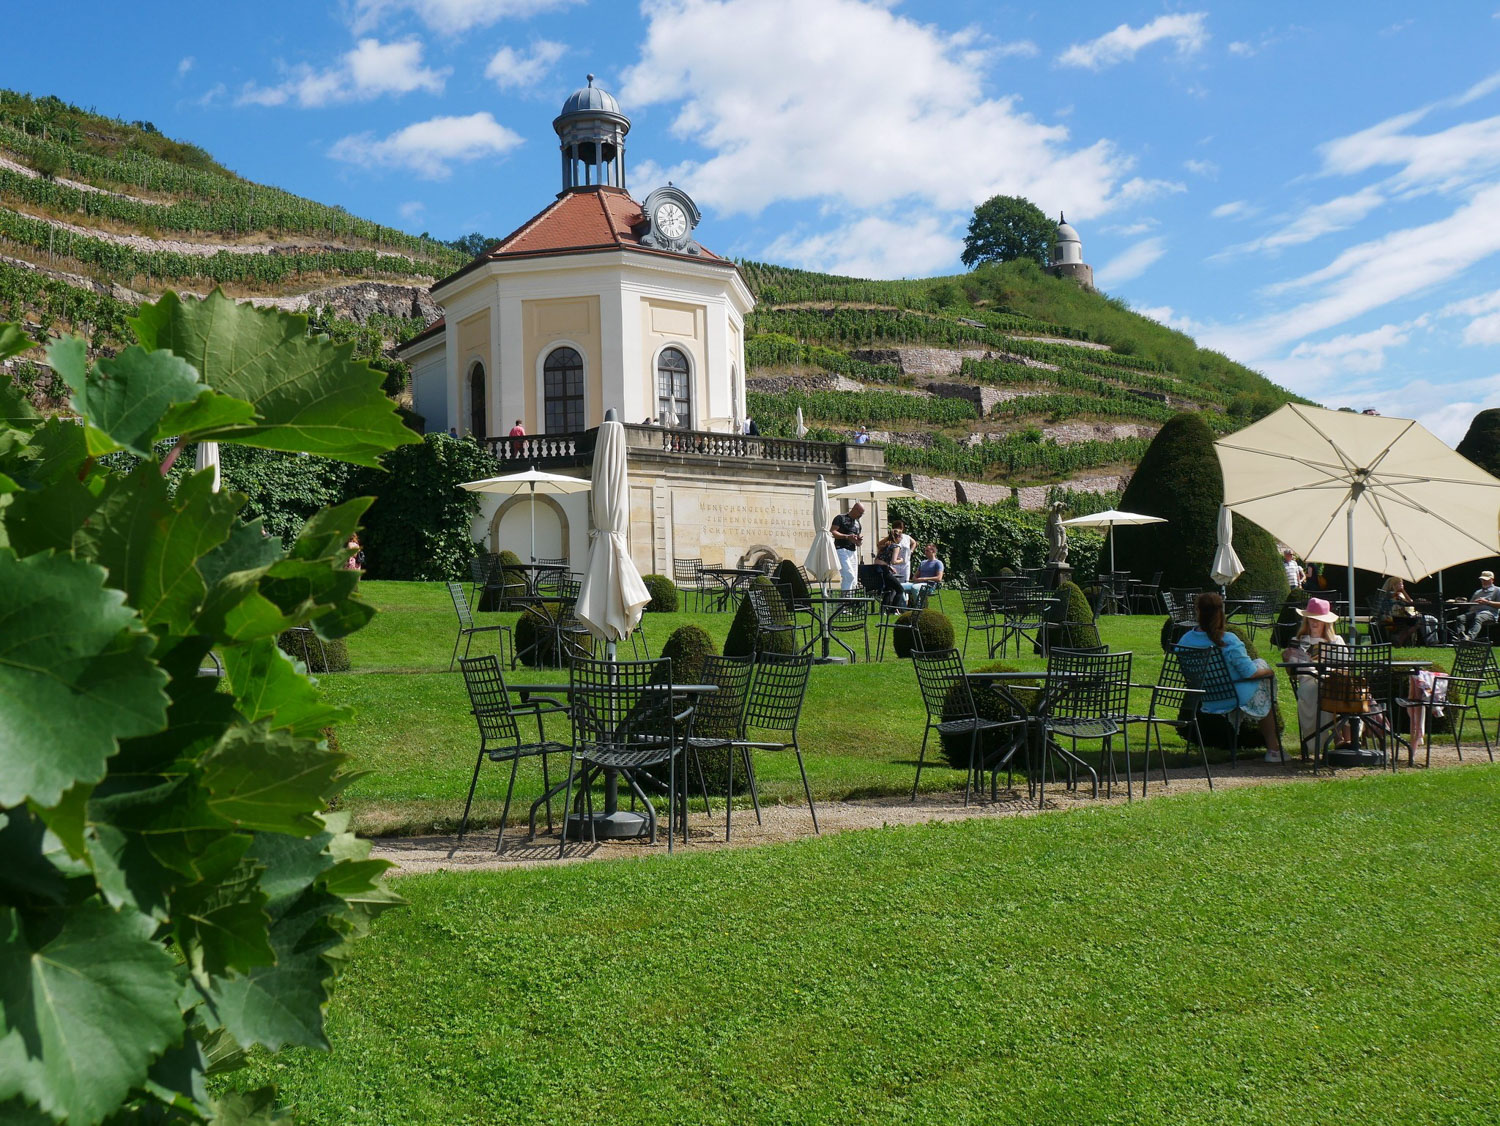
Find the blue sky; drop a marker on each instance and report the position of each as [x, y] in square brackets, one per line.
[1312, 188]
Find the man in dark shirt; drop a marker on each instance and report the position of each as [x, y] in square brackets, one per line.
[847, 536]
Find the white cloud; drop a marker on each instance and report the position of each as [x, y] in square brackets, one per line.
[1138, 189]
[1020, 49]
[873, 247]
[862, 108]
[1201, 167]
[1185, 30]
[509, 68]
[1484, 313]
[371, 69]
[429, 148]
[1132, 262]
[185, 65]
[1320, 219]
[412, 210]
[1241, 48]
[1445, 408]
[1165, 314]
[1130, 230]
[1234, 209]
[449, 16]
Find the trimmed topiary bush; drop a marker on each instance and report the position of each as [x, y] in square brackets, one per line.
[742, 631]
[1180, 479]
[663, 594]
[512, 585]
[536, 644]
[320, 656]
[789, 579]
[933, 626]
[686, 648]
[1071, 623]
[991, 706]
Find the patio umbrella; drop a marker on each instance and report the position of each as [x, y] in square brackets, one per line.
[822, 561]
[1408, 504]
[613, 597]
[1227, 565]
[1109, 519]
[208, 457]
[872, 491]
[532, 481]
[801, 426]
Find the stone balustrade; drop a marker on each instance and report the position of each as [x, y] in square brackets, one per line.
[577, 449]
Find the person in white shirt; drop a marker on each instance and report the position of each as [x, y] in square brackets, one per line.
[1486, 606]
[1295, 575]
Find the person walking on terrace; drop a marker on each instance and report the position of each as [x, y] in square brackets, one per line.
[847, 536]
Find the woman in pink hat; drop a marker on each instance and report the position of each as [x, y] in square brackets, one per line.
[1314, 635]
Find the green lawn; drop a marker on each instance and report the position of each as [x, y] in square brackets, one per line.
[861, 726]
[1290, 954]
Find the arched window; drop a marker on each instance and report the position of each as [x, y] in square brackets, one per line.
[478, 424]
[673, 390]
[562, 391]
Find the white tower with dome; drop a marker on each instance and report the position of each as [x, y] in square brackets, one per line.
[1067, 255]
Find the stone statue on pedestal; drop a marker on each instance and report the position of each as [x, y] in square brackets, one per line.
[1057, 535]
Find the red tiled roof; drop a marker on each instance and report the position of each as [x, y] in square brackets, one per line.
[578, 222]
[431, 330]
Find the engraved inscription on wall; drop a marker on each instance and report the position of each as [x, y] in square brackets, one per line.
[720, 524]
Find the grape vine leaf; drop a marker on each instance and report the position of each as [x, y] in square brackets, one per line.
[92, 1006]
[13, 341]
[269, 780]
[308, 393]
[267, 685]
[75, 676]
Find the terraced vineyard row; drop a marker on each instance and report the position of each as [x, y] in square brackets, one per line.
[124, 264]
[229, 205]
[1016, 455]
[856, 407]
[773, 349]
[1056, 407]
[866, 327]
[56, 302]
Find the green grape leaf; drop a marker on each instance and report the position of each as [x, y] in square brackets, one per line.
[93, 1005]
[24, 870]
[248, 1108]
[220, 921]
[177, 1078]
[13, 341]
[309, 394]
[283, 1003]
[151, 541]
[74, 677]
[269, 780]
[208, 413]
[248, 548]
[267, 685]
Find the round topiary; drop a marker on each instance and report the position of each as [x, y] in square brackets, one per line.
[1070, 620]
[663, 594]
[933, 626]
[536, 643]
[741, 641]
[991, 705]
[789, 579]
[318, 655]
[505, 589]
[686, 648]
[1179, 478]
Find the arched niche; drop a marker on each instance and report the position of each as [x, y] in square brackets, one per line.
[553, 532]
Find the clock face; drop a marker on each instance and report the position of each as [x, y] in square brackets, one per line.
[671, 221]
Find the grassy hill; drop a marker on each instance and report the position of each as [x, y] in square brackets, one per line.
[1005, 375]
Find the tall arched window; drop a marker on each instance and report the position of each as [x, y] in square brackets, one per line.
[673, 390]
[562, 391]
[478, 423]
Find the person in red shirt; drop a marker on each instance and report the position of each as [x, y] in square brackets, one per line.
[517, 431]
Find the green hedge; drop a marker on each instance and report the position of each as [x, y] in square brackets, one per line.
[990, 537]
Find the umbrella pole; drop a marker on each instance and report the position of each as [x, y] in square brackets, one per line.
[533, 522]
[1353, 628]
[1111, 548]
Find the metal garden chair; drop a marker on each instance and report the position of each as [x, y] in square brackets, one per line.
[773, 615]
[1175, 705]
[1026, 619]
[980, 617]
[466, 627]
[687, 574]
[1473, 669]
[626, 718]
[1147, 595]
[500, 737]
[951, 710]
[1091, 702]
[1358, 683]
[1205, 671]
[719, 725]
[777, 690]
[851, 615]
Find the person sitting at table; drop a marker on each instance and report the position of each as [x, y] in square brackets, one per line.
[1486, 609]
[1314, 637]
[1399, 617]
[887, 584]
[1254, 680]
[924, 582]
[847, 536]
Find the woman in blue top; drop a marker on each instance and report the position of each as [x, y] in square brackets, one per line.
[1254, 680]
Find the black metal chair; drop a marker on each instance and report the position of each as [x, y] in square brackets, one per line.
[1183, 604]
[466, 627]
[1114, 592]
[687, 575]
[980, 617]
[851, 615]
[500, 737]
[626, 718]
[1472, 682]
[951, 710]
[1205, 671]
[1025, 614]
[773, 615]
[1091, 702]
[1148, 595]
[479, 576]
[1357, 683]
[1174, 705]
[777, 690]
[305, 638]
[1265, 612]
[719, 725]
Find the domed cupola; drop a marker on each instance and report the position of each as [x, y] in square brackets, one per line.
[1067, 247]
[592, 131]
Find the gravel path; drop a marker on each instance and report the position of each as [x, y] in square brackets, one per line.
[781, 823]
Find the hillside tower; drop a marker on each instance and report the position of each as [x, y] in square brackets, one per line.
[591, 133]
[1067, 256]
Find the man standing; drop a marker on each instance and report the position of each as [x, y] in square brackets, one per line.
[847, 536]
[1486, 606]
[1295, 575]
[516, 431]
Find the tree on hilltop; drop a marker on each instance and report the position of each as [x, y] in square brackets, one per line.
[1007, 227]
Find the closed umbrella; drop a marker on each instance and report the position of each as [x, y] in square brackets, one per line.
[1110, 518]
[613, 597]
[1337, 486]
[1227, 565]
[207, 457]
[801, 426]
[532, 481]
[822, 560]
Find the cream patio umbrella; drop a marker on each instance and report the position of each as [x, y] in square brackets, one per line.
[1110, 518]
[1337, 486]
[801, 426]
[207, 457]
[532, 481]
[873, 491]
[1227, 566]
[822, 561]
[613, 597]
